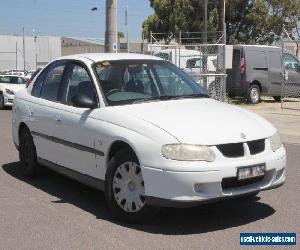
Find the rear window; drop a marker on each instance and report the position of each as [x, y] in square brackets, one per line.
[12, 80]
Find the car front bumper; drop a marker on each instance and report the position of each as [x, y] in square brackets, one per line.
[190, 188]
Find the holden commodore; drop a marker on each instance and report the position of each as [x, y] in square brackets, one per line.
[144, 132]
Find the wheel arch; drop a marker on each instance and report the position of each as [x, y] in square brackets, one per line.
[117, 146]
[256, 82]
[22, 126]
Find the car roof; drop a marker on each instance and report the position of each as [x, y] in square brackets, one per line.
[98, 57]
[255, 46]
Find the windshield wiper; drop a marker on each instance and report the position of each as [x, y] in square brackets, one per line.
[155, 98]
[192, 96]
[171, 97]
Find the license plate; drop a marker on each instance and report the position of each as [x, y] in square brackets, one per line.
[251, 172]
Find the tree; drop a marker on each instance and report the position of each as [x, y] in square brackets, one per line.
[248, 21]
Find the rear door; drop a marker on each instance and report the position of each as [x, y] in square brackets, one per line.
[275, 72]
[41, 109]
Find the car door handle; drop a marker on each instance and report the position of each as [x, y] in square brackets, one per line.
[57, 118]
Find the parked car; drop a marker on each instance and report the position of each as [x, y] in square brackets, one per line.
[258, 70]
[140, 129]
[9, 86]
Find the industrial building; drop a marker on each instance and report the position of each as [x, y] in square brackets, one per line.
[34, 52]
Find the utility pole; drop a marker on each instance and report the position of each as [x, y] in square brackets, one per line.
[222, 21]
[111, 34]
[24, 49]
[127, 30]
[16, 55]
[205, 20]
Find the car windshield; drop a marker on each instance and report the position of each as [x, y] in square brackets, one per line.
[12, 80]
[131, 81]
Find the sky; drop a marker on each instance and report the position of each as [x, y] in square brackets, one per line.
[72, 18]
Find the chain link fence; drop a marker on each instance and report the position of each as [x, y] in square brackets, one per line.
[290, 92]
[204, 62]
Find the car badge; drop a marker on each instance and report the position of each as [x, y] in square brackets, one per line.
[243, 136]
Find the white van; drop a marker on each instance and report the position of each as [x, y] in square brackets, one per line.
[179, 57]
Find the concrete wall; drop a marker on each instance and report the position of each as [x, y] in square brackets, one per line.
[38, 51]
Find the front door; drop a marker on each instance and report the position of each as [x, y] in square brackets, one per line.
[74, 129]
[292, 69]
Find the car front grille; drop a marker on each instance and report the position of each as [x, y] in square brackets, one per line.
[233, 150]
[233, 182]
[256, 147]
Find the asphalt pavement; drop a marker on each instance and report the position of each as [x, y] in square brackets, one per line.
[54, 212]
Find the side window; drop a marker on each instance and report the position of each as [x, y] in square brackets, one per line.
[172, 83]
[50, 88]
[21, 80]
[290, 62]
[36, 90]
[78, 82]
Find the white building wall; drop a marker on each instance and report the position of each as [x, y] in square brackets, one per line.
[38, 51]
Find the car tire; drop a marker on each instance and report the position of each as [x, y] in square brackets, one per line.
[27, 154]
[253, 95]
[118, 189]
[277, 98]
[1, 101]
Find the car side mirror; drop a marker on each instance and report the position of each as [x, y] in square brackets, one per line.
[297, 66]
[84, 101]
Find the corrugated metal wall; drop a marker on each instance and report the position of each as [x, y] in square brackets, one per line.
[38, 51]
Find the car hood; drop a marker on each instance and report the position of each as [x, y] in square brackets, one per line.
[13, 87]
[201, 121]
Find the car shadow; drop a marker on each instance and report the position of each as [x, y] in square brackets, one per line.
[170, 221]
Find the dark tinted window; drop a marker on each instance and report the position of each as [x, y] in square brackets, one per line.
[78, 82]
[52, 82]
[36, 90]
[236, 60]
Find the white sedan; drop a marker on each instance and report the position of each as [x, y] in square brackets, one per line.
[9, 86]
[140, 129]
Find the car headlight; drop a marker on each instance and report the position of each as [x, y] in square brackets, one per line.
[188, 152]
[275, 142]
[10, 92]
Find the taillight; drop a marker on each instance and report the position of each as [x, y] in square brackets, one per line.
[243, 66]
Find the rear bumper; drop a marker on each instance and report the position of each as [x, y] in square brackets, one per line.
[184, 189]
